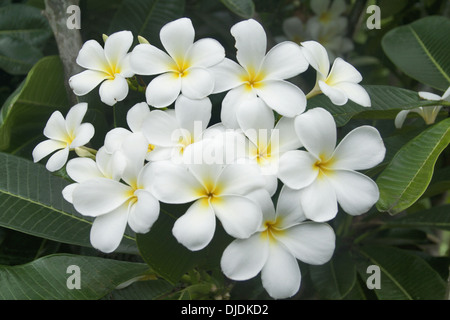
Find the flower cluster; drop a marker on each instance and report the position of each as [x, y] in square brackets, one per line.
[229, 172]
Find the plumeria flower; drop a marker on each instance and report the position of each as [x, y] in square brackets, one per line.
[64, 135]
[328, 14]
[283, 237]
[428, 114]
[267, 141]
[109, 66]
[259, 74]
[341, 83]
[118, 203]
[294, 30]
[325, 175]
[170, 132]
[216, 190]
[184, 68]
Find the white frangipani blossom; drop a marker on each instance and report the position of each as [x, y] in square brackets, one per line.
[184, 68]
[325, 175]
[216, 190]
[341, 83]
[116, 203]
[259, 74]
[169, 132]
[428, 114]
[283, 237]
[65, 134]
[328, 14]
[109, 66]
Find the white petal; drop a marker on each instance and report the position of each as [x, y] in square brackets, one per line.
[355, 192]
[177, 37]
[56, 127]
[114, 139]
[284, 61]
[251, 43]
[264, 200]
[193, 115]
[136, 116]
[240, 216]
[75, 116]
[360, 149]
[163, 90]
[173, 183]
[233, 100]
[91, 56]
[240, 179]
[149, 60]
[400, 118]
[336, 95]
[46, 147]
[283, 97]
[310, 242]
[296, 169]
[198, 83]
[320, 6]
[354, 92]
[99, 196]
[205, 53]
[82, 169]
[160, 128]
[317, 56]
[316, 130]
[67, 192]
[227, 75]
[57, 160]
[111, 165]
[342, 71]
[85, 81]
[144, 212]
[135, 148]
[286, 138]
[289, 208]
[281, 274]
[319, 200]
[195, 229]
[256, 120]
[117, 46]
[244, 259]
[115, 90]
[83, 134]
[108, 229]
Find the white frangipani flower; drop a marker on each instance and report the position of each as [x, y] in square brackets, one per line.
[259, 74]
[170, 132]
[328, 15]
[341, 83]
[216, 190]
[184, 69]
[64, 135]
[325, 175]
[116, 203]
[283, 237]
[109, 66]
[428, 114]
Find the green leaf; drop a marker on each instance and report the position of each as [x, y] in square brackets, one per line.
[435, 217]
[23, 32]
[24, 114]
[336, 278]
[31, 202]
[420, 50]
[407, 176]
[387, 101]
[146, 17]
[47, 278]
[163, 253]
[142, 290]
[243, 8]
[403, 275]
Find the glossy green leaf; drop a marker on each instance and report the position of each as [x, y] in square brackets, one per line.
[31, 202]
[146, 17]
[403, 275]
[435, 217]
[47, 278]
[387, 101]
[242, 8]
[25, 112]
[407, 176]
[420, 50]
[142, 290]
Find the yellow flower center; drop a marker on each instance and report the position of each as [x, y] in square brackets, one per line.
[272, 230]
[180, 67]
[325, 17]
[253, 79]
[323, 165]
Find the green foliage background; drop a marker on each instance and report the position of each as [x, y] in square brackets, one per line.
[407, 234]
